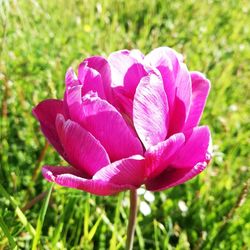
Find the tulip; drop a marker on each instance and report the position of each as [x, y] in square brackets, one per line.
[126, 121]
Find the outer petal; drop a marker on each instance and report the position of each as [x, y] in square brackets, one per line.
[159, 156]
[182, 100]
[174, 176]
[71, 78]
[101, 65]
[190, 160]
[106, 124]
[164, 56]
[167, 61]
[129, 171]
[177, 84]
[91, 80]
[81, 148]
[137, 54]
[127, 70]
[70, 177]
[73, 101]
[195, 149]
[200, 91]
[46, 112]
[150, 111]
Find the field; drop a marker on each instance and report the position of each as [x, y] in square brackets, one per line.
[39, 40]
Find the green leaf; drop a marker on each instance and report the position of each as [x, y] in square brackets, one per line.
[113, 241]
[18, 211]
[41, 219]
[7, 234]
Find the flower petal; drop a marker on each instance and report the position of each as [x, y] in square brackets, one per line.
[182, 100]
[46, 112]
[71, 78]
[177, 84]
[91, 80]
[132, 78]
[101, 65]
[107, 125]
[70, 177]
[50, 172]
[200, 91]
[137, 54]
[83, 151]
[191, 159]
[195, 149]
[127, 70]
[150, 111]
[73, 101]
[167, 61]
[129, 171]
[123, 103]
[159, 156]
[174, 176]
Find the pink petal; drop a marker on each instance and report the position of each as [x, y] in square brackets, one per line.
[195, 149]
[159, 156]
[50, 172]
[82, 149]
[123, 102]
[132, 78]
[167, 61]
[177, 84]
[46, 112]
[101, 65]
[127, 70]
[91, 80]
[107, 125]
[182, 100]
[135, 53]
[129, 171]
[174, 176]
[73, 101]
[191, 159]
[164, 56]
[69, 177]
[150, 111]
[200, 91]
[71, 78]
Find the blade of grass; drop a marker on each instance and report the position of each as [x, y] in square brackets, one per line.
[86, 217]
[68, 208]
[111, 227]
[93, 229]
[156, 235]
[7, 234]
[140, 236]
[18, 211]
[121, 243]
[41, 219]
[117, 214]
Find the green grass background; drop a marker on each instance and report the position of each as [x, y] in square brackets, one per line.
[39, 40]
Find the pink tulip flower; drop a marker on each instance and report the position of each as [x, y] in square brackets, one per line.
[126, 121]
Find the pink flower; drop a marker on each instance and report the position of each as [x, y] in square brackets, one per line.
[127, 121]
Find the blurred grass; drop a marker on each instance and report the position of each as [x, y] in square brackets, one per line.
[40, 39]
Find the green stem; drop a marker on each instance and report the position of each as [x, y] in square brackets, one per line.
[132, 220]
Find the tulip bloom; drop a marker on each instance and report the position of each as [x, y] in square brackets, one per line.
[126, 121]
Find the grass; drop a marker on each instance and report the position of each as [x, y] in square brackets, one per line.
[39, 40]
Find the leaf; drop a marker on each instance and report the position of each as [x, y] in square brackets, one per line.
[41, 218]
[18, 211]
